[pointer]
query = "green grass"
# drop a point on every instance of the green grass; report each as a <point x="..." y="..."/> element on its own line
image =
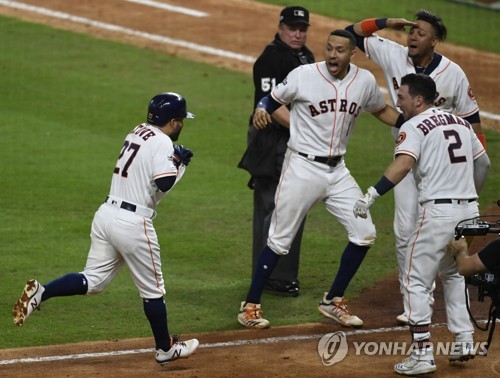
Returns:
<point x="67" y="102"/>
<point x="468" y="26"/>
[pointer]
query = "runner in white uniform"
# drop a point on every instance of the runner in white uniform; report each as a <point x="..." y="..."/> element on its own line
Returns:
<point x="454" y="95"/>
<point x="450" y="167"/>
<point x="148" y="166"/>
<point x="326" y="98"/>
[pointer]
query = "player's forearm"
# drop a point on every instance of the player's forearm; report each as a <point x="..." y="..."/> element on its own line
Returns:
<point x="399" y="168"/>
<point x="478" y="130"/>
<point x="389" y="116"/>
<point x="481" y="171"/>
<point x="369" y="26"/>
<point x="282" y="116"/>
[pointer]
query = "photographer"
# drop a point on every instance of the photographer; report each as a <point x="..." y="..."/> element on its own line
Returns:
<point x="488" y="259"/>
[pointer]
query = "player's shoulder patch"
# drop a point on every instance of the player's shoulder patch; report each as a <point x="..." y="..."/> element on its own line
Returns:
<point x="471" y="94"/>
<point x="401" y="138"/>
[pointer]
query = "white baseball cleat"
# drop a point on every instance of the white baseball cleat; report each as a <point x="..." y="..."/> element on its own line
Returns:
<point x="419" y="362"/>
<point x="178" y="349"/>
<point x="462" y="351"/>
<point x="402" y="319"/>
<point x="250" y="316"/>
<point x="336" y="309"/>
<point x="31" y="299"/>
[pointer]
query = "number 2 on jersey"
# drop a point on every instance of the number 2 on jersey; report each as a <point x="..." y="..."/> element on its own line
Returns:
<point x="454" y="146"/>
<point x="127" y="146"/>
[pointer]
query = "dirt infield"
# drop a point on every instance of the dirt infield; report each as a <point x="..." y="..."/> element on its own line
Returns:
<point x="280" y="351"/>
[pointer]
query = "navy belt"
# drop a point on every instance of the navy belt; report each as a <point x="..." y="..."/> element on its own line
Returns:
<point x="332" y="161"/>
<point x="449" y="200"/>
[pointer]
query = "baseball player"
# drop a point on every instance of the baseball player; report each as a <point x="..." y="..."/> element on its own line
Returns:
<point x="450" y="167"/>
<point x="266" y="149"/>
<point x="326" y="98"/>
<point x="454" y="94"/>
<point x="148" y="167"/>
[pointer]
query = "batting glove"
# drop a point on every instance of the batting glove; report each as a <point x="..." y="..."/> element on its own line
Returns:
<point x="182" y="155"/>
<point x="363" y="204"/>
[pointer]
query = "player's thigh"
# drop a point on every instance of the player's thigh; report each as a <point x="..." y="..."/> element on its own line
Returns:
<point x="136" y="239"/>
<point x="301" y="185"/>
<point x="103" y="260"/>
<point x="340" y="202"/>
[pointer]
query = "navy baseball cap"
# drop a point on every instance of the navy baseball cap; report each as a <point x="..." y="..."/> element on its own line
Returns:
<point x="294" y="15"/>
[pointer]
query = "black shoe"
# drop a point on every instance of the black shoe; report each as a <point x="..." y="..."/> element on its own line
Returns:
<point x="282" y="288"/>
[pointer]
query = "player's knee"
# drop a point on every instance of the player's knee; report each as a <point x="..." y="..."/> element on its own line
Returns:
<point x="365" y="240"/>
<point x="95" y="285"/>
<point x="277" y="249"/>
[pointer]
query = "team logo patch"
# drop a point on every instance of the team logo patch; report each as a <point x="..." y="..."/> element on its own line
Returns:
<point x="471" y="94"/>
<point x="401" y="138"/>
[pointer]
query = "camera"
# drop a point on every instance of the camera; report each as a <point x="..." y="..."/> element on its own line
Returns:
<point x="478" y="227"/>
<point x="486" y="283"/>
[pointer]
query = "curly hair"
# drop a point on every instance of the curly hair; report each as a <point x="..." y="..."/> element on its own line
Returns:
<point x="434" y="20"/>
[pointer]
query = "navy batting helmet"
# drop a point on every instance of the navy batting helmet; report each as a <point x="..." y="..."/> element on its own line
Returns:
<point x="166" y="106"/>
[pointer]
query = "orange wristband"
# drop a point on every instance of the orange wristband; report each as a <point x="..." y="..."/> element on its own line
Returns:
<point x="369" y="26"/>
<point x="482" y="139"/>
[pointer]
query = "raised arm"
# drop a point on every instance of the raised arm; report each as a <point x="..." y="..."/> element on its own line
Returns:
<point x="369" y="26"/>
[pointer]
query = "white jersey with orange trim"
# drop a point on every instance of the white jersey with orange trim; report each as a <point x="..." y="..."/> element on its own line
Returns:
<point x="454" y="92"/>
<point x="322" y="118"/>
<point x="445" y="147"/>
<point x="146" y="155"/>
<point x="455" y="96"/>
<point x="325" y="109"/>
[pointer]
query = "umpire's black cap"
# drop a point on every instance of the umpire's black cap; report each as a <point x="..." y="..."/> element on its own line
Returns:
<point x="294" y="15"/>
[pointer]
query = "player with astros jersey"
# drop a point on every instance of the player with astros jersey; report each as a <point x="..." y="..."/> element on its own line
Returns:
<point x="326" y="99"/>
<point x="454" y="95"/>
<point x="148" y="166"/>
<point x="450" y="167"/>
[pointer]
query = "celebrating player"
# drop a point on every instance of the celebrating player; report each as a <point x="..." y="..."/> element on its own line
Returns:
<point x="148" y="166"/>
<point x="450" y="167"/>
<point x="326" y="98"/>
<point x="266" y="148"/>
<point x="454" y="94"/>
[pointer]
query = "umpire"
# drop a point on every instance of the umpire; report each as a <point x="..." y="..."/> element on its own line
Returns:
<point x="266" y="148"/>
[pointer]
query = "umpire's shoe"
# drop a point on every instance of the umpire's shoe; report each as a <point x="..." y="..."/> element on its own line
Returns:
<point x="30" y="300"/>
<point x="336" y="309"/>
<point x="178" y="349"/>
<point x="250" y="316"/>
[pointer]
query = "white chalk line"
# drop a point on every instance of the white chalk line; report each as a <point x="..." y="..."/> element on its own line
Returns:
<point x="155" y="37"/>
<point x="268" y="340"/>
<point x="127" y="31"/>
<point x="171" y="8"/>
